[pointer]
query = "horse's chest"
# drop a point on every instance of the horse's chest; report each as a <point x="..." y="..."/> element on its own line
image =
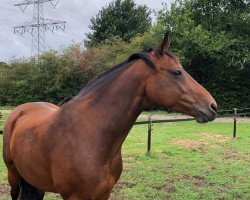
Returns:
<point x="91" y="182"/>
<point x="111" y="171"/>
<point x="109" y="177"/>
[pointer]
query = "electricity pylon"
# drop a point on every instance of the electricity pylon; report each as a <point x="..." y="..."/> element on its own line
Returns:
<point x="38" y="25"/>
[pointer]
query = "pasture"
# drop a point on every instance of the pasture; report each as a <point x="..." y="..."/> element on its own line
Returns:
<point x="188" y="161"/>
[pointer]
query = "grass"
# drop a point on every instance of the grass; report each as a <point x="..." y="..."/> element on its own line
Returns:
<point x="6" y="107"/>
<point x="160" y="112"/>
<point x="188" y="161"/>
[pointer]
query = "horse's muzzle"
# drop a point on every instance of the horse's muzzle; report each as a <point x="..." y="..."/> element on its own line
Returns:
<point x="208" y="115"/>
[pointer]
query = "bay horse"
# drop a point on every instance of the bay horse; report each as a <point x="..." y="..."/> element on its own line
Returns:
<point x="75" y="149"/>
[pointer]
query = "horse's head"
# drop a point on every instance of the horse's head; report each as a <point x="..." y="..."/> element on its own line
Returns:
<point x="172" y="87"/>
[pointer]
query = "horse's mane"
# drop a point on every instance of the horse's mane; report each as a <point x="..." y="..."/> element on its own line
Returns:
<point x="64" y="101"/>
<point x="140" y="55"/>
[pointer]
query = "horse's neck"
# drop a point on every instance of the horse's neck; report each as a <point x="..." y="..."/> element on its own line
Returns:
<point x="113" y="107"/>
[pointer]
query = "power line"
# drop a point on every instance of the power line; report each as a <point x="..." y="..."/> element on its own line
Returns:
<point x="12" y="10"/>
<point x="38" y="25"/>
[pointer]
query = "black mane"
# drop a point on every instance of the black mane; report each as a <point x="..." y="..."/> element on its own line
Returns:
<point x="64" y="101"/>
<point x="140" y="55"/>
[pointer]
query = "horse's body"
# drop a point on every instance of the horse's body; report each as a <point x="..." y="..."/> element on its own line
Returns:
<point x="75" y="149"/>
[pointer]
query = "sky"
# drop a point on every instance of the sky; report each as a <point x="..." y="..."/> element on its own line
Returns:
<point x="76" y="13"/>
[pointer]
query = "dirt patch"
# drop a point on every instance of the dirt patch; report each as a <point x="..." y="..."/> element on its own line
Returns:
<point x="119" y="186"/>
<point x="4" y="191"/>
<point x="122" y="185"/>
<point x="214" y="145"/>
<point x="215" y="137"/>
<point x="169" y="188"/>
<point x="188" y="144"/>
<point x="116" y="196"/>
<point x="199" y="145"/>
<point x="196" y="180"/>
<point x="231" y="154"/>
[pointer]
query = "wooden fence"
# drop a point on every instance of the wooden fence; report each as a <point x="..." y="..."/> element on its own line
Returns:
<point x="222" y="113"/>
<point x="1" y="116"/>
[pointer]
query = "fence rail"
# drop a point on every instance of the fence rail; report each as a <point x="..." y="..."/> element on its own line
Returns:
<point x="188" y="119"/>
<point x="235" y="114"/>
<point x="238" y="109"/>
<point x="150" y="122"/>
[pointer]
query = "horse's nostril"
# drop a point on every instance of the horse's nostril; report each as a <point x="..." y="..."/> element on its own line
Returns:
<point x="214" y="107"/>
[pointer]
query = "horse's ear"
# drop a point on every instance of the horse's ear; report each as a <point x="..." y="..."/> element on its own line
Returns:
<point x="164" y="44"/>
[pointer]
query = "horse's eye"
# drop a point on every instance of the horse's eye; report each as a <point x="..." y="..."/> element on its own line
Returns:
<point x="176" y="72"/>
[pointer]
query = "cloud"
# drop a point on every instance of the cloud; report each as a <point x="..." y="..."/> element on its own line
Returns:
<point x="77" y="14"/>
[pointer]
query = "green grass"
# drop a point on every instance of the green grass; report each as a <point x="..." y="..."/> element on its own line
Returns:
<point x="6" y="107"/>
<point x="188" y="161"/>
<point x="160" y="112"/>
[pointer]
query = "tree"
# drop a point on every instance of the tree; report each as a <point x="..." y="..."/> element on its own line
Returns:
<point x="59" y="75"/>
<point x="231" y="16"/>
<point x="121" y="18"/>
<point x="212" y="47"/>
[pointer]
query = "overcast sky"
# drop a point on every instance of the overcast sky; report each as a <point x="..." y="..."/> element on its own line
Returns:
<point x="76" y="13"/>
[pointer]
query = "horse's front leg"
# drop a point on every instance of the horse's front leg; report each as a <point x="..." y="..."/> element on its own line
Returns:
<point x="105" y="196"/>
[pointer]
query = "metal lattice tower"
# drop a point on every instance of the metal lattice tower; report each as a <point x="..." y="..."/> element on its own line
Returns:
<point x="38" y="25"/>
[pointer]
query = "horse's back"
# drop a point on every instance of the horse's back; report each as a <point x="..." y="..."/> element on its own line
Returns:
<point x="23" y="137"/>
<point x="34" y="107"/>
<point x="28" y="111"/>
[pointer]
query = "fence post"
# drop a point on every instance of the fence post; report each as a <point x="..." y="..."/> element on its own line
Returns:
<point x="149" y="134"/>
<point x="1" y="131"/>
<point x="235" y="120"/>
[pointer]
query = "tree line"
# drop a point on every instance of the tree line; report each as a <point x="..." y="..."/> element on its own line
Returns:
<point x="211" y="38"/>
